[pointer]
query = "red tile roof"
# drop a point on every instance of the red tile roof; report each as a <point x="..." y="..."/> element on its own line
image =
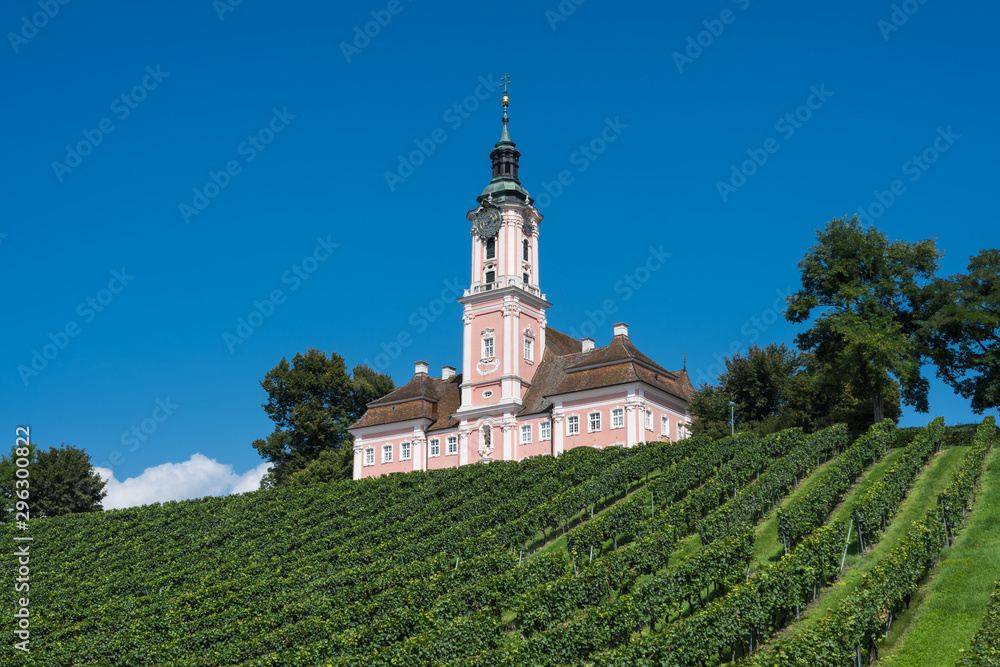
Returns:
<point x="564" y="368"/>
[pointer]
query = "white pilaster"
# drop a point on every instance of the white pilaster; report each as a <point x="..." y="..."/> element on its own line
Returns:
<point x="359" y="457"/>
<point x="467" y="356"/>
<point x="630" y="432"/>
<point x="463" y="446"/>
<point x="557" y="431"/>
<point x="418" y="447"/>
<point x="508" y="443"/>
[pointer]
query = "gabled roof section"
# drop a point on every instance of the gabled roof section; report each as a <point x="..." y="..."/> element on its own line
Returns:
<point x="619" y="350"/>
<point x="423" y="397"/>
<point x="565" y="369"/>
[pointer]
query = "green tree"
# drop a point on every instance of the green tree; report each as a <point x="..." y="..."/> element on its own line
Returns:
<point x="756" y="382"/>
<point x="312" y="401"/>
<point x="61" y="481"/>
<point x="961" y="330"/>
<point x="865" y="292"/>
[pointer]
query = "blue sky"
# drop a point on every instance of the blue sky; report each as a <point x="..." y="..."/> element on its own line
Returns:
<point x="169" y="169"/>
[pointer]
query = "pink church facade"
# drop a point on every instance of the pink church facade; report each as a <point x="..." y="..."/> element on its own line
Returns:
<point x="525" y="389"/>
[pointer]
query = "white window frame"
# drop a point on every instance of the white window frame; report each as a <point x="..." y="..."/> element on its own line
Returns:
<point x="545" y="430"/>
<point x="488" y="348"/>
<point x="529" y="350"/>
<point x="435" y="444"/>
<point x="649" y="419"/>
<point x="594" y="422"/>
<point x="573" y="425"/>
<point x="405" y="450"/>
<point x="680" y="430"/>
<point x="452" y="442"/>
<point x="665" y="426"/>
<point x="369" y="456"/>
<point x="387" y="453"/>
<point x="618" y="418"/>
<point x="525" y="431"/>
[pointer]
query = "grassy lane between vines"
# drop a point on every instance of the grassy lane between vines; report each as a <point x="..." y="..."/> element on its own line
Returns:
<point x="945" y="613"/>
<point x="768" y="547"/>
<point x="556" y="541"/>
<point x="932" y="480"/>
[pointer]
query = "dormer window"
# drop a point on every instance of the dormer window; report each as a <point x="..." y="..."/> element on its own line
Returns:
<point x="491" y="248"/>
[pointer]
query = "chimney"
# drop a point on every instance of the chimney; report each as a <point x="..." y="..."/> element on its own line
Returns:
<point x="588" y="344"/>
<point x="621" y="329"/>
<point x="447" y="372"/>
<point x="420" y="367"/>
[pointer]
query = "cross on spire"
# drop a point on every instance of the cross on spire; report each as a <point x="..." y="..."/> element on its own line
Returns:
<point x="506" y="100"/>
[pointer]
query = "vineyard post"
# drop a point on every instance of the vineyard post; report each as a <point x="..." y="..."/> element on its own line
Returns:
<point x="520" y="555"/>
<point x="651" y="508"/>
<point x="591" y="553"/>
<point x="846" y="545"/>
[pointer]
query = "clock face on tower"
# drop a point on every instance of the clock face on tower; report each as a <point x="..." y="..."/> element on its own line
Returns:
<point x="529" y="228"/>
<point x="488" y="222"/>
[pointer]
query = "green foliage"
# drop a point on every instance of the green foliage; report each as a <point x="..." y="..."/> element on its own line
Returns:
<point x="868" y="292"/>
<point x="61" y="481"/>
<point x="810" y="511"/>
<point x="778" y="480"/>
<point x="859" y="620"/>
<point x="985" y="648"/>
<point x="433" y="567"/>
<point x="757" y="383"/>
<point x="875" y="508"/>
<point x="961" y="330"/>
<point x="775" y="388"/>
<point x="312" y="401"/>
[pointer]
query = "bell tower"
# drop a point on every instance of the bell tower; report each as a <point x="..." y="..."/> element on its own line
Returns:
<point x="504" y="307"/>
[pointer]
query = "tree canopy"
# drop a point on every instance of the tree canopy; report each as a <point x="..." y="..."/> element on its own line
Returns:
<point x="865" y="294"/>
<point x="312" y="401"/>
<point x="61" y="481"/>
<point x="773" y="388"/>
<point x="961" y="330"/>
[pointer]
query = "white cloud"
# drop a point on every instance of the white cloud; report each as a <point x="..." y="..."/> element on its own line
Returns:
<point x="197" y="477"/>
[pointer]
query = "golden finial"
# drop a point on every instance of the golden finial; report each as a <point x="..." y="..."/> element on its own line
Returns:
<point x="506" y="100"/>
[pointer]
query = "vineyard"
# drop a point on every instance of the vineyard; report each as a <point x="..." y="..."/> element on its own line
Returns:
<point x="787" y="549"/>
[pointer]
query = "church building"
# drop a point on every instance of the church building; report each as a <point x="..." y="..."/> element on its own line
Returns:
<point x="525" y="389"/>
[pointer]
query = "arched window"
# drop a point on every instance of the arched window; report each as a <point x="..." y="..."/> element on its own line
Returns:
<point x="526" y="248"/>
<point x="491" y="248"/>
